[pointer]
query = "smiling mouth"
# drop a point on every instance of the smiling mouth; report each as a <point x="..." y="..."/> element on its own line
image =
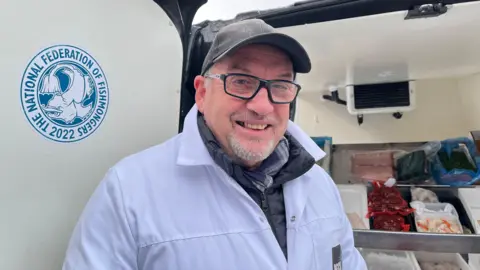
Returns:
<point x="253" y="126"/>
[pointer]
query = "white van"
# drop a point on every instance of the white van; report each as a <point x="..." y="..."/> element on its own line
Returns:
<point x="86" y="83"/>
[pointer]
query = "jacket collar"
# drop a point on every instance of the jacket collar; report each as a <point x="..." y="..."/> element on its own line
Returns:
<point x="192" y="150"/>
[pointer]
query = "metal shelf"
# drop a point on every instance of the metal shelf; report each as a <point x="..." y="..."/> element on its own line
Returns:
<point x="408" y="241"/>
<point x="414" y="241"/>
<point x="417" y="241"/>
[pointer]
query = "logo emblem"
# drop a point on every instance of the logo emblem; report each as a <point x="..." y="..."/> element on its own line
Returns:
<point x="64" y="93"/>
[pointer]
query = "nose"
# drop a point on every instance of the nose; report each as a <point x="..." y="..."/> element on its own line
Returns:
<point x="260" y="103"/>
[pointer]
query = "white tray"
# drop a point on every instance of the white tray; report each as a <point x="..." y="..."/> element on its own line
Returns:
<point x="407" y="255"/>
<point x="354" y="199"/>
<point x="474" y="261"/>
<point x="441" y="210"/>
<point x="454" y="258"/>
<point x="470" y="198"/>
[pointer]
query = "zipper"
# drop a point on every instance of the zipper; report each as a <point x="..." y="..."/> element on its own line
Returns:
<point x="266" y="210"/>
<point x="264" y="203"/>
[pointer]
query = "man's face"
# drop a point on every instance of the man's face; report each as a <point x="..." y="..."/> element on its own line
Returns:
<point x="249" y="130"/>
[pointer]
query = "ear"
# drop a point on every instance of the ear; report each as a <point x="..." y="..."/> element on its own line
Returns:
<point x="200" y="92"/>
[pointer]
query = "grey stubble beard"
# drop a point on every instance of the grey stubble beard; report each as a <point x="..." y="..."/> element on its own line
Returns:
<point x="247" y="156"/>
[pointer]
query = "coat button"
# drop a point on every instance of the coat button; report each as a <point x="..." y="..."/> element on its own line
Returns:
<point x="292" y="219"/>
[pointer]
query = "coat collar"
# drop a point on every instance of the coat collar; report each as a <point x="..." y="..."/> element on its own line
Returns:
<point x="192" y="151"/>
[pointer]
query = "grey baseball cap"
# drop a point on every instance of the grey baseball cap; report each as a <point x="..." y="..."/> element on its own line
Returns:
<point x="255" y="31"/>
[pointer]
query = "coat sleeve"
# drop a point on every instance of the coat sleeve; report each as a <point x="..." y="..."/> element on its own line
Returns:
<point x="102" y="239"/>
<point x="351" y="257"/>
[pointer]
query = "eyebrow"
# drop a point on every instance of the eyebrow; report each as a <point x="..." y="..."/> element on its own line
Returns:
<point x="237" y="66"/>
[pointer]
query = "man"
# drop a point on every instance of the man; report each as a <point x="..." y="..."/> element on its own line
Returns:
<point x="237" y="189"/>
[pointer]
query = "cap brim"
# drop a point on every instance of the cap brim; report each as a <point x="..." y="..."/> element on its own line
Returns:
<point x="300" y="59"/>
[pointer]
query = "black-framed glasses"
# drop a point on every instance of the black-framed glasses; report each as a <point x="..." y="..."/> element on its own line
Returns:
<point x="246" y="87"/>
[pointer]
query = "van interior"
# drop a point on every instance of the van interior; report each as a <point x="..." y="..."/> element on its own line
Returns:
<point x="385" y="75"/>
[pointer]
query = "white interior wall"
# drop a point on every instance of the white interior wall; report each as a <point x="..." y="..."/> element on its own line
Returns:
<point x="469" y="89"/>
<point x="389" y="48"/>
<point x="438" y="115"/>
<point x="386" y="47"/>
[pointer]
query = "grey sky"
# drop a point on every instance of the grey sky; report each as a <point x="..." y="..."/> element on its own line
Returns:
<point x="227" y="9"/>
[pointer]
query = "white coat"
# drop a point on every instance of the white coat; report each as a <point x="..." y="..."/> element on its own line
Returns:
<point x="171" y="207"/>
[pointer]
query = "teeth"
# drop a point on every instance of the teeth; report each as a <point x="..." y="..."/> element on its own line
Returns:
<point x="251" y="126"/>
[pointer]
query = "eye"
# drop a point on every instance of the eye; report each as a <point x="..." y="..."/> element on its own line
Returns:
<point x="241" y="82"/>
<point x="280" y="86"/>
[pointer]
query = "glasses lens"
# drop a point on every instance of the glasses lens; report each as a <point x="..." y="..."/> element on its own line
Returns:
<point x="283" y="91"/>
<point x="245" y="87"/>
<point x="242" y="86"/>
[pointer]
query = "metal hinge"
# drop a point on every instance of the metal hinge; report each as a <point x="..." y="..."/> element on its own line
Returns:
<point x="426" y="11"/>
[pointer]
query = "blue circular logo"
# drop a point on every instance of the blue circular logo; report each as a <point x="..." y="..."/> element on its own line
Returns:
<point x="64" y="93"/>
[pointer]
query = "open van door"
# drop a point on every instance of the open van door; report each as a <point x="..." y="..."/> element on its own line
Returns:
<point x="397" y="71"/>
<point x="84" y="84"/>
<point x="360" y="42"/>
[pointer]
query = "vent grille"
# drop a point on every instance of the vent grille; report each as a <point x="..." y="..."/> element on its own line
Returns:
<point x="382" y="95"/>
